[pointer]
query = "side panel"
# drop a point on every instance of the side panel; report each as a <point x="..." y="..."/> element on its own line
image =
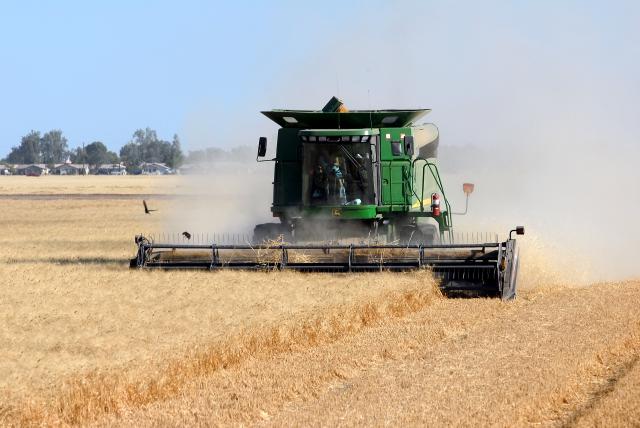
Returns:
<point x="287" y="181"/>
<point x="394" y="185"/>
<point x="395" y="170"/>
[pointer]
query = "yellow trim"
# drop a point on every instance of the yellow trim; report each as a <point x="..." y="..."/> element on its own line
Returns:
<point x="425" y="202"/>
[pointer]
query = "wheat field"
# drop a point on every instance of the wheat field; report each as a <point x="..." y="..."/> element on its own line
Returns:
<point x="86" y="341"/>
<point x="91" y="184"/>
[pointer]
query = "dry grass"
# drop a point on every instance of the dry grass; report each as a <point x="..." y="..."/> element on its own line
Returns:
<point x="86" y="317"/>
<point x="536" y="361"/>
<point x="616" y="403"/>
<point x="67" y="231"/>
<point x="92" y="184"/>
<point x="107" y="390"/>
<point x="266" y="255"/>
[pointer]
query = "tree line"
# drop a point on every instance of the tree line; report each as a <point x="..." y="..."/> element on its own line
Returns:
<point x="52" y="148"/>
<point x="216" y="154"/>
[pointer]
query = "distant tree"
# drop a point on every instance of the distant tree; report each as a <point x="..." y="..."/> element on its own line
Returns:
<point x="130" y="154"/>
<point x="242" y="153"/>
<point x="215" y="154"/>
<point x="177" y="157"/>
<point x="28" y="151"/>
<point x="145" y="136"/>
<point x="145" y="146"/>
<point x="150" y="147"/>
<point x="53" y="147"/>
<point x="79" y="155"/>
<point x="97" y="153"/>
<point x="113" y="157"/>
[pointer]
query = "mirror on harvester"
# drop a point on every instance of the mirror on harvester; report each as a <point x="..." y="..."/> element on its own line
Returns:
<point x="408" y="145"/>
<point x="262" y="147"/>
<point x="467" y="188"/>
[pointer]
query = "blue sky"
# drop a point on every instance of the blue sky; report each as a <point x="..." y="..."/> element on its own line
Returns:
<point x="100" y="70"/>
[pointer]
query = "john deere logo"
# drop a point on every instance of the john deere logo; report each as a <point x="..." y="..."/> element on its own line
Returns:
<point x="337" y="212"/>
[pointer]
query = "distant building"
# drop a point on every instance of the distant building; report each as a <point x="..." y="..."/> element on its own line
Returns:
<point x="5" y="170"/>
<point x="154" y="168"/>
<point x="70" y="169"/>
<point x="111" y="169"/>
<point x="32" y="170"/>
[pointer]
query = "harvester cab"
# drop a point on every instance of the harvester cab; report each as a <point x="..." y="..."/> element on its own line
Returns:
<point x="345" y="175"/>
<point x="356" y="191"/>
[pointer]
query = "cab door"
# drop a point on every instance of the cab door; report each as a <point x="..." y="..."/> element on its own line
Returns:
<point x="395" y="166"/>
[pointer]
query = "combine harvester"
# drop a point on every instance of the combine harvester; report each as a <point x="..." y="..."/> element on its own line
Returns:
<point x="355" y="191"/>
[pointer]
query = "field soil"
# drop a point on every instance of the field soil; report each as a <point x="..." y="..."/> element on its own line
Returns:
<point x="91" y="184"/>
<point x="86" y="341"/>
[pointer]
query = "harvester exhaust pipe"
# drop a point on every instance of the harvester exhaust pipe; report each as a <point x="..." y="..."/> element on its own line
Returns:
<point x="519" y="230"/>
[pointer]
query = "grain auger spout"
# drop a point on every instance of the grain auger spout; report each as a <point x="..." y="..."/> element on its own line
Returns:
<point x="356" y="191"/>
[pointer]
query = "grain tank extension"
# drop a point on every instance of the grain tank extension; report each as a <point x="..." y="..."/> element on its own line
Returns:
<point x="356" y="191"/>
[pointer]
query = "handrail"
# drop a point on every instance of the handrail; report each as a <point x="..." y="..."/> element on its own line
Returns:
<point x="433" y="169"/>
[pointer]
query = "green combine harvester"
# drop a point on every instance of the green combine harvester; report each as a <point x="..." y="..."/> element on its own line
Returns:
<point x="355" y="191"/>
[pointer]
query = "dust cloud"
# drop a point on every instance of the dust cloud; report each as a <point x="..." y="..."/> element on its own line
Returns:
<point x="578" y="201"/>
<point x="543" y="122"/>
<point x="226" y="197"/>
<point x="577" y="198"/>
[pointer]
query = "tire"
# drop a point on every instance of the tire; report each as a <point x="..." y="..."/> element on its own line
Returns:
<point x="429" y="233"/>
<point x="269" y="232"/>
<point x="425" y="234"/>
<point x="409" y="235"/>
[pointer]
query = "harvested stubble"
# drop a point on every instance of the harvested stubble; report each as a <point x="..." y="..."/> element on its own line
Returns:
<point x="92" y="184"/>
<point x="616" y="402"/>
<point x="541" y="360"/>
<point x="269" y="313"/>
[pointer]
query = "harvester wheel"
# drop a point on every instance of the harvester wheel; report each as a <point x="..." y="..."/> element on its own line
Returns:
<point x="429" y="233"/>
<point x="426" y="234"/>
<point x="267" y="232"/>
<point x="409" y="235"/>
